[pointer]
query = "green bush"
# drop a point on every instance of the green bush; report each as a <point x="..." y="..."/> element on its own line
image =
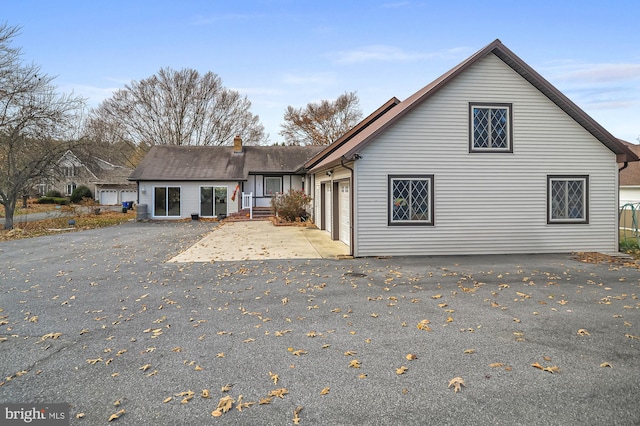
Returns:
<point x="291" y="205"/>
<point x="53" y="193"/>
<point x="79" y="193"/>
<point x="53" y="200"/>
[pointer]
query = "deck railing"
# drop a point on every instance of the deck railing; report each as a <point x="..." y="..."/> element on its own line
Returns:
<point x="247" y="203"/>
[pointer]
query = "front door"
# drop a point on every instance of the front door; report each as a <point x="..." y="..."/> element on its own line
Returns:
<point x="221" y="201"/>
<point x="213" y="201"/>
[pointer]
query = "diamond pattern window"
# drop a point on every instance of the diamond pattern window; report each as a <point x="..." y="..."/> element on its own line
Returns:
<point x="411" y="200"/>
<point x="490" y="128"/>
<point x="568" y="199"/>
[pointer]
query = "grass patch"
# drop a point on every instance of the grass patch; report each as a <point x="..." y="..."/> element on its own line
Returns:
<point x="61" y="225"/>
<point x="33" y="207"/>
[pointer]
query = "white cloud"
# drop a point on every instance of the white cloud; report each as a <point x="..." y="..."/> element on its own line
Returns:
<point x="321" y="78"/>
<point x="597" y="73"/>
<point x="383" y="53"/>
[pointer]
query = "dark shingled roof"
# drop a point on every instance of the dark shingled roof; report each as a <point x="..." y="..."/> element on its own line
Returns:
<point x="171" y="163"/>
<point x="630" y="176"/>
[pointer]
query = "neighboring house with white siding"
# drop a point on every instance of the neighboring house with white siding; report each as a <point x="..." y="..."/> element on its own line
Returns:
<point x="176" y="182"/>
<point x="630" y="179"/>
<point x="490" y="158"/>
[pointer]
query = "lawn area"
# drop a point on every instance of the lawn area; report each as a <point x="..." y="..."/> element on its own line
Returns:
<point x="50" y="226"/>
<point x="32" y="207"/>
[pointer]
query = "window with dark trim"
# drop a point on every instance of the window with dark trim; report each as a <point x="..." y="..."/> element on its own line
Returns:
<point x="567" y="199"/>
<point x="410" y="200"/>
<point x="166" y="201"/>
<point x="490" y="127"/>
<point x="272" y="185"/>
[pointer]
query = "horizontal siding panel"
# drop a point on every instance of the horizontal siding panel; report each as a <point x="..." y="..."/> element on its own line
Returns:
<point x="485" y="203"/>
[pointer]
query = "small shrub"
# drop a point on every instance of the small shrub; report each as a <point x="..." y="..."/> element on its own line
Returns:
<point x="53" y="193"/>
<point x="291" y="205"/>
<point x="79" y="193"/>
<point x="53" y="200"/>
<point x="89" y="201"/>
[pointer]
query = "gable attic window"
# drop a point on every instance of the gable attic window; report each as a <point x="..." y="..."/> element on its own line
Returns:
<point x="70" y="171"/>
<point x="567" y="199"/>
<point x="490" y="127"/>
<point x="410" y="200"/>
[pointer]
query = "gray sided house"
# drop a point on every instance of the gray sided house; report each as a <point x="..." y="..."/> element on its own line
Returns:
<point x="490" y="158"/>
<point x="176" y="182"/>
<point x="108" y="182"/>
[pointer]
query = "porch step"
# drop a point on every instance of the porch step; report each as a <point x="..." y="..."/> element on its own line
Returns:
<point x="259" y="213"/>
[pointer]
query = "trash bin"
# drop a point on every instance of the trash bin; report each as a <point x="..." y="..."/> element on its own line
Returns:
<point x="141" y="213"/>
<point x="125" y="206"/>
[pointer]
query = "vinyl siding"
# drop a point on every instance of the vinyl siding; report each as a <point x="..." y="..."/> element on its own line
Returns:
<point x="485" y="203"/>
<point x="189" y="197"/>
<point x="255" y="184"/>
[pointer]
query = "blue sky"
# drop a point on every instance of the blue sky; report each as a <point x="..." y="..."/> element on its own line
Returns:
<point x="292" y="52"/>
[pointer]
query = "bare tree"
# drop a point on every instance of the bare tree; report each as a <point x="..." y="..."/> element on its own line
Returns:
<point x="177" y="108"/>
<point x="33" y="121"/>
<point x="321" y="123"/>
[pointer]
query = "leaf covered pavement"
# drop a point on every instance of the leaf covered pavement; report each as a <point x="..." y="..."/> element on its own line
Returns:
<point x="96" y="318"/>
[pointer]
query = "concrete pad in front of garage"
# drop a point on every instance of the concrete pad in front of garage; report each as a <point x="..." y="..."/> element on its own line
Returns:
<point x="261" y="240"/>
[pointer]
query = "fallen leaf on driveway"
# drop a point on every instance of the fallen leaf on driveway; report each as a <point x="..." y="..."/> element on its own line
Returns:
<point x="116" y="415"/>
<point x="423" y="325"/>
<point x="401" y="370"/>
<point x="583" y="332"/>
<point x="606" y="364"/>
<point x="354" y="363"/>
<point x="456" y="382"/>
<point x="325" y="391"/>
<point x="296" y="418"/>
<point x="280" y="393"/>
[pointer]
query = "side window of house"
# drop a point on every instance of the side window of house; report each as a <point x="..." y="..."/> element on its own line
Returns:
<point x="272" y="185"/>
<point x="567" y="199"/>
<point x="411" y="200"/>
<point x="490" y="128"/>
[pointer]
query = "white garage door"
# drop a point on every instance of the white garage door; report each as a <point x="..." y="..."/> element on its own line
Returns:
<point x="128" y="196"/>
<point x="108" y="197"/>
<point x="327" y="207"/>
<point x="345" y="214"/>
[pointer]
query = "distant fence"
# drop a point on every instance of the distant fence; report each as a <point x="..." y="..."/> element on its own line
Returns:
<point x="628" y="220"/>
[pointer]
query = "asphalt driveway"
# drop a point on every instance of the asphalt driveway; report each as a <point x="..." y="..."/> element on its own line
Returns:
<point x="102" y="321"/>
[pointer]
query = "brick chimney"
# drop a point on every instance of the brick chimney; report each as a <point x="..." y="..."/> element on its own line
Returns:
<point x="237" y="144"/>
